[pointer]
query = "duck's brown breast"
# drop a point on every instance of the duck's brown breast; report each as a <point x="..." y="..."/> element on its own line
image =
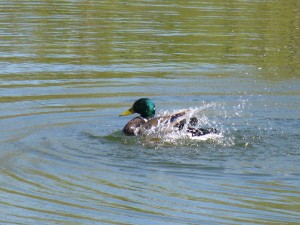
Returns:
<point x="132" y="127"/>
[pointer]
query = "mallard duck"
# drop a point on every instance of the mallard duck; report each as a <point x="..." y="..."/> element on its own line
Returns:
<point x="146" y="108"/>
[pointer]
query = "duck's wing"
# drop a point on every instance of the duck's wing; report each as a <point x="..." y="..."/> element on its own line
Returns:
<point x="175" y="121"/>
<point x="172" y="120"/>
<point x="138" y="125"/>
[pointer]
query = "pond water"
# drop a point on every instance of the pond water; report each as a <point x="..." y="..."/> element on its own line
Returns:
<point x="69" y="68"/>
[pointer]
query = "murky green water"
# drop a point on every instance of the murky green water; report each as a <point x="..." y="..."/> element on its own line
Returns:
<point x="68" y="68"/>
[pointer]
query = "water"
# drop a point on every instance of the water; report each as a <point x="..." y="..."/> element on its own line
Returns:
<point x="69" y="68"/>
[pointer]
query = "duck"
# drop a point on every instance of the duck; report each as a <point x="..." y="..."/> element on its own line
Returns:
<point x="147" y="120"/>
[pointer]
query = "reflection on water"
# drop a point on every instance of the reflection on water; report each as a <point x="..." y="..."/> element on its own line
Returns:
<point x="68" y="68"/>
<point x="62" y="37"/>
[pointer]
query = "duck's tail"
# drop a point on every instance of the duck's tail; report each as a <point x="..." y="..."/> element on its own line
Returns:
<point x="193" y="129"/>
<point x="201" y="131"/>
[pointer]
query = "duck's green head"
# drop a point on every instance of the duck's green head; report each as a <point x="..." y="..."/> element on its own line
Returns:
<point x="144" y="106"/>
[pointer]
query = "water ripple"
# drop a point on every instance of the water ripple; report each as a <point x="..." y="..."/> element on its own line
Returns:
<point x="68" y="68"/>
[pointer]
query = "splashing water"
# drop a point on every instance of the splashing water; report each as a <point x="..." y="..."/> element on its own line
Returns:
<point x="227" y="119"/>
<point x="209" y="115"/>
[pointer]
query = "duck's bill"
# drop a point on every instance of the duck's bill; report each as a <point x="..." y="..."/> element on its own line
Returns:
<point x="127" y="112"/>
